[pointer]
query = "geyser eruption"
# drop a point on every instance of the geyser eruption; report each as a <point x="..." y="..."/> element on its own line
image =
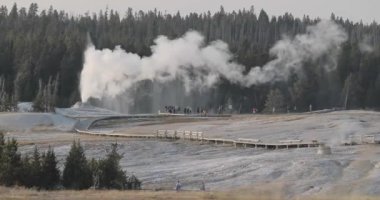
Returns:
<point x="109" y="73"/>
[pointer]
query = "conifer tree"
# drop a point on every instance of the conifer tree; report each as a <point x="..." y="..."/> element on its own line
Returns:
<point x="26" y="173"/>
<point x="50" y="171"/>
<point x="39" y="101"/>
<point x="111" y="174"/>
<point x="275" y="102"/>
<point x="35" y="169"/>
<point x="11" y="164"/>
<point x="76" y="174"/>
<point x="2" y="147"/>
<point x="2" y="143"/>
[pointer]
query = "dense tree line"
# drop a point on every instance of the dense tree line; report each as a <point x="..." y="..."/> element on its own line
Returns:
<point x="37" y="47"/>
<point x="41" y="171"/>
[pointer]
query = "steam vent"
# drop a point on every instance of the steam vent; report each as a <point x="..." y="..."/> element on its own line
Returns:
<point x="324" y="150"/>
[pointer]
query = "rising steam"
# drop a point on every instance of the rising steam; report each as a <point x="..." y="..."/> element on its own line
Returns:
<point x="109" y="73"/>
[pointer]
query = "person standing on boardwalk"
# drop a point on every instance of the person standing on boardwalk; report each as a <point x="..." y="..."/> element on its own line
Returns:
<point x="178" y="186"/>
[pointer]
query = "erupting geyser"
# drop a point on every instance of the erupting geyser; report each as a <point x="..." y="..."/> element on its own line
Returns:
<point x="110" y="73"/>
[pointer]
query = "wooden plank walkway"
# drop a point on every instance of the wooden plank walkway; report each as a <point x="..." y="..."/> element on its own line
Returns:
<point x="111" y="134"/>
<point x="198" y="137"/>
<point x="362" y="139"/>
<point x="241" y="142"/>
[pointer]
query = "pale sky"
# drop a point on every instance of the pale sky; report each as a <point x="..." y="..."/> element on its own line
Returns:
<point x="355" y="10"/>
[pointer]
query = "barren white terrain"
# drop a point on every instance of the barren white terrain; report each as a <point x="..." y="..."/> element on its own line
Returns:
<point x="159" y="164"/>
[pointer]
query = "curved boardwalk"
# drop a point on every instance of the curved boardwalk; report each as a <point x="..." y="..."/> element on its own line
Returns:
<point x="199" y="138"/>
<point x="85" y="124"/>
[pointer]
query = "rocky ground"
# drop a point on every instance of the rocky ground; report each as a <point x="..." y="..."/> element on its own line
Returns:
<point x="353" y="170"/>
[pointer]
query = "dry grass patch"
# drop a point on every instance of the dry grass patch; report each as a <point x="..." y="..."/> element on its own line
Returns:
<point x="241" y="194"/>
<point x="21" y="194"/>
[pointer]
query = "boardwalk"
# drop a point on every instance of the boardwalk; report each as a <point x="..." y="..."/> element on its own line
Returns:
<point x="241" y="142"/>
<point x="86" y="123"/>
<point x="199" y="138"/>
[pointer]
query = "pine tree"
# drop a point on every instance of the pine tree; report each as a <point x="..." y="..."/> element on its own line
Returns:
<point x="54" y="98"/>
<point x="3" y="96"/>
<point x="35" y="170"/>
<point x="111" y="174"/>
<point x="2" y="147"/>
<point x="133" y="183"/>
<point x="352" y="92"/>
<point x="94" y="167"/>
<point x="11" y="164"/>
<point x="39" y="101"/>
<point x="275" y="102"/>
<point x="76" y="174"/>
<point x="13" y="14"/>
<point x="50" y="171"/>
<point x="26" y="172"/>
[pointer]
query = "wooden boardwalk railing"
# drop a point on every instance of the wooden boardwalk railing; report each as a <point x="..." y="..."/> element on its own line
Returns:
<point x="197" y="136"/>
<point x="241" y="142"/>
<point x="362" y="139"/>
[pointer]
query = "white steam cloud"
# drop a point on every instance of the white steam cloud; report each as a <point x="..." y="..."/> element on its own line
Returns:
<point x="323" y="39"/>
<point x="365" y="45"/>
<point x="108" y="73"/>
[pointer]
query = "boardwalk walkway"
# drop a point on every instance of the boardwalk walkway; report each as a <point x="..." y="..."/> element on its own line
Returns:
<point x="199" y="138"/>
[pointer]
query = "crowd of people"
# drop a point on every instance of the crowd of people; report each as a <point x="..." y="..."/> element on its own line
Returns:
<point x="172" y="109"/>
<point x="188" y="110"/>
<point x="177" y="110"/>
<point x="220" y="110"/>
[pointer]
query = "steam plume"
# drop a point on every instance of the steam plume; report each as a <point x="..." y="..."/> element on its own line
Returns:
<point x="323" y="39"/>
<point x="108" y="73"/>
<point x="365" y="45"/>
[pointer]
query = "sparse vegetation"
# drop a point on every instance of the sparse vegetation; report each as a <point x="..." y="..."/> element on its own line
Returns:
<point x="41" y="171"/>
